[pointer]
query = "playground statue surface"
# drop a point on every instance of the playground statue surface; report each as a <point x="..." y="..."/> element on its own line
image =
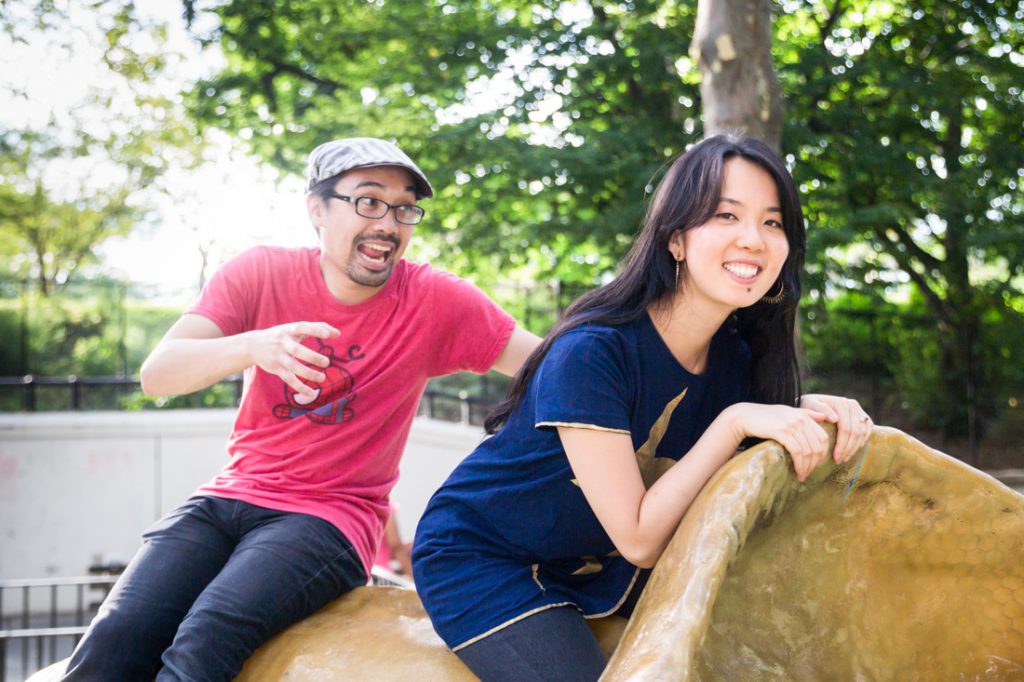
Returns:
<point x="903" y="563"/>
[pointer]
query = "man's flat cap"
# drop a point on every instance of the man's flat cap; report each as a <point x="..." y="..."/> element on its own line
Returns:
<point x="337" y="156"/>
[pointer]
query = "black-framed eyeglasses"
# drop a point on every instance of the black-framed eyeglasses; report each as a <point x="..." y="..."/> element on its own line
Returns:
<point x="371" y="207"/>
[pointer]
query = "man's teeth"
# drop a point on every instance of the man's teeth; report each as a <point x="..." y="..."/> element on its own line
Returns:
<point x="745" y="271"/>
<point x="376" y="252"/>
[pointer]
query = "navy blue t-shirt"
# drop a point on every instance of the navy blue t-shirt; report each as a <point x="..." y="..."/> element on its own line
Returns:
<point x="510" y="532"/>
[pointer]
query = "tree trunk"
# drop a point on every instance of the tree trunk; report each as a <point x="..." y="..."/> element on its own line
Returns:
<point x="960" y="364"/>
<point x="739" y="91"/>
<point x="43" y="277"/>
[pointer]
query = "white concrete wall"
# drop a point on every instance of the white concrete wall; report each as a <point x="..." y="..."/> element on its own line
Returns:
<point x="77" y="487"/>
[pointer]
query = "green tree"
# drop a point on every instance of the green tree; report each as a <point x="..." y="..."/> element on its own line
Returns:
<point x="50" y="237"/>
<point x="905" y="122"/>
<point x="543" y="124"/>
<point x="86" y="174"/>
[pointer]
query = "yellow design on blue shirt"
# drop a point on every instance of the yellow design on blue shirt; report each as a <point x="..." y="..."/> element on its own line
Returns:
<point x="651" y="467"/>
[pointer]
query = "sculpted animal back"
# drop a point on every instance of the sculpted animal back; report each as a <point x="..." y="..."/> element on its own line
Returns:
<point x="372" y="633"/>
<point x="904" y="564"/>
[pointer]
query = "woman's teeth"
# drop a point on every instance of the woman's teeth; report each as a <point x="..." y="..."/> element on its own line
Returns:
<point x="744" y="271"/>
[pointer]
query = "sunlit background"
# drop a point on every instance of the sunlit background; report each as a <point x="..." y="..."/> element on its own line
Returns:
<point x="231" y="202"/>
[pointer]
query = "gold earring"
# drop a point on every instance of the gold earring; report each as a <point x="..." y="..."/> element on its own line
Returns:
<point x="776" y="298"/>
<point x="677" y="274"/>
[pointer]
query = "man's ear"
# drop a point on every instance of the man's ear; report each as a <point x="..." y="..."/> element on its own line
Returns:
<point x="315" y="210"/>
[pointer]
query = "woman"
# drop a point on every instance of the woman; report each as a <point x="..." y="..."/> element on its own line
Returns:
<point x="639" y="394"/>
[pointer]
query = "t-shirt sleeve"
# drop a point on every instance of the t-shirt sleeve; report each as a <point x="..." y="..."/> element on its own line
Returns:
<point x="583" y="382"/>
<point x="228" y="297"/>
<point x="472" y="330"/>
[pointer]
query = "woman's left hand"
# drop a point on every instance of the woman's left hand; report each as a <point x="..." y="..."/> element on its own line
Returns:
<point x="853" y="425"/>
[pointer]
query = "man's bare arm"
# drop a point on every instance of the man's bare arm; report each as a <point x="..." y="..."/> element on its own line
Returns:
<point x="518" y="348"/>
<point x="194" y="354"/>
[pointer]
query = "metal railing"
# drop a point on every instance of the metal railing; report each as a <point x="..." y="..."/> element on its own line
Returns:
<point x="32" y="638"/>
<point x="383" y="577"/>
<point x="35" y="633"/>
<point x="33" y="394"/>
<point x="455" y="407"/>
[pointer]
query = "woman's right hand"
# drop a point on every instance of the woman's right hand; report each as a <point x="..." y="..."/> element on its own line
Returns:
<point x="797" y="429"/>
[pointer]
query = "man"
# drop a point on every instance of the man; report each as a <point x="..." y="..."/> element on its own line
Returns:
<point x="336" y="344"/>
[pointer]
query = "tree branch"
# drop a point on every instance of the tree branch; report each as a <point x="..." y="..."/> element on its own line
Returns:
<point x="823" y="31"/>
<point x="903" y="237"/>
<point x="833" y="16"/>
<point x="635" y="91"/>
<point x="279" y="67"/>
<point x="906" y="264"/>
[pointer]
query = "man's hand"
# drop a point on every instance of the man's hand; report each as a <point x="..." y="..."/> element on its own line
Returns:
<point x="279" y="351"/>
<point x="194" y="354"/>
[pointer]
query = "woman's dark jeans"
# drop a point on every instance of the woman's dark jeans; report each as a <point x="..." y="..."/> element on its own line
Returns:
<point x="553" y="645"/>
<point x="212" y="582"/>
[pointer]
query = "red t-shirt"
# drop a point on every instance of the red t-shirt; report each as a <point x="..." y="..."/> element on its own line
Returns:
<point x="337" y="456"/>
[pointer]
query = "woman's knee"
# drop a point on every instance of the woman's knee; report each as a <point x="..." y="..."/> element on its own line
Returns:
<point x="553" y="644"/>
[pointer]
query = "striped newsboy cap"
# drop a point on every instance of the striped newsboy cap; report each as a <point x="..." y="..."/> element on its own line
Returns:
<point x="337" y="156"/>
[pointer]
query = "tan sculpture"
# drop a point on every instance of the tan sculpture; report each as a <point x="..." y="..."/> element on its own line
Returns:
<point x="902" y="564"/>
<point x="372" y="634"/>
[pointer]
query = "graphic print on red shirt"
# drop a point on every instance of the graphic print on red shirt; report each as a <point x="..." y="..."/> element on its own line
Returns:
<point x="332" y="403"/>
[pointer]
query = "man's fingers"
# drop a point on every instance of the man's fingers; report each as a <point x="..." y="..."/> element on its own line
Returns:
<point x="293" y="346"/>
<point x="303" y="371"/>
<point x="320" y="330"/>
<point x="308" y="355"/>
<point x="311" y="374"/>
<point x="300" y="386"/>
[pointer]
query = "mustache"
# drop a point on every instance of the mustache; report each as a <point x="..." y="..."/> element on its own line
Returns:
<point x="376" y="237"/>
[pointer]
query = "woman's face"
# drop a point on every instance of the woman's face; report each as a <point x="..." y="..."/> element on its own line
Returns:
<point x="735" y="258"/>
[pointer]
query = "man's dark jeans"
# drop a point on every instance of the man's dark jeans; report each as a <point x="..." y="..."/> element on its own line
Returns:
<point x="212" y="582"/>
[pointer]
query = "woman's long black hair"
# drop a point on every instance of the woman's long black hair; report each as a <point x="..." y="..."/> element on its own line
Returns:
<point x="687" y="197"/>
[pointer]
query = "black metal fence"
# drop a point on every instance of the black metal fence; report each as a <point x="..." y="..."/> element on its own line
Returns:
<point x="454" y="403"/>
<point x="38" y="628"/>
<point x="32" y="393"/>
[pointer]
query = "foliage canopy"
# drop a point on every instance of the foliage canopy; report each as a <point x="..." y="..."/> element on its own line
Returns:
<point x="86" y="173"/>
<point x="543" y="125"/>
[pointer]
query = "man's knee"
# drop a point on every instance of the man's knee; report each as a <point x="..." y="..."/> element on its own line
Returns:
<point x="118" y="645"/>
<point x="213" y="644"/>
